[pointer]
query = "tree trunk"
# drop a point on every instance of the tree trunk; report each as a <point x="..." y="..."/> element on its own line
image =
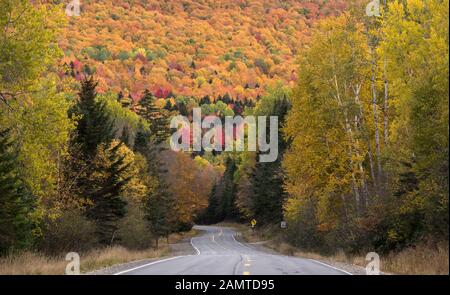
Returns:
<point x="348" y="130"/>
<point x="369" y="148"/>
<point x="375" y="115"/>
<point x="386" y="107"/>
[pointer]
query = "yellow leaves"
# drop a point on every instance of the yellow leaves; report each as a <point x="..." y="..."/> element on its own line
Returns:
<point x="43" y="127"/>
<point x="200" y="81"/>
<point x="203" y="33"/>
<point x="191" y="182"/>
<point x="201" y="161"/>
<point x="25" y="57"/>
<point x="327" y="147"/>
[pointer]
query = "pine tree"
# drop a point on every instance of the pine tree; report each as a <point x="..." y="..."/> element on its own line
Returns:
<point x="108" y="205"/>
<point x="267" y="179"/>
<point x="125" y="137"/>
<point x="182" y="109"/>
<point x="168" y="105"/>
<point x="94" y="127"/>
<point x="160" y="212"/>
<point x="228" y="195"/>
<point x="212" y="213"/>
<point x="15" y="200"/>
<point x="159" y="123"/>
<point x="160" y="205"/>
<point x="97" y="167"/>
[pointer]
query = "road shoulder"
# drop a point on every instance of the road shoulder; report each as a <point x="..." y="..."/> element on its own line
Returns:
<point x="181" y="248"/>
<point x="268" y="247"/>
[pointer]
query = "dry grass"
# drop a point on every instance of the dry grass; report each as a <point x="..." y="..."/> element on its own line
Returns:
<point x="29" y="263"/>
<point x="419" y="260"/>
<point x="33" y="263"/>
<point x="422" y="259"/>
<point x="115" y="255"/>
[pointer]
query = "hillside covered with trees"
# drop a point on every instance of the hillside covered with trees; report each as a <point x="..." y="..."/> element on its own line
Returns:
<point x="85" y="106"/>
<point x="190" y="48"/>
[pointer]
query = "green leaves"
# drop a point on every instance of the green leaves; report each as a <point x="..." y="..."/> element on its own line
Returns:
<point x="28" y="43"/>
<point x="16" y="202"/>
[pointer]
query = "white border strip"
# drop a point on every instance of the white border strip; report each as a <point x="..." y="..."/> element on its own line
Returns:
<point x="193" y="246"/>
<point x="148" y="264"/>
<point x="323" y="263"/>
<point x="242" y="244"/>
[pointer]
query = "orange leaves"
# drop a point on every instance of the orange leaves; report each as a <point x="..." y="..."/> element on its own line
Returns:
<point x="172" y="44"/>
<point x="191" y="181"/>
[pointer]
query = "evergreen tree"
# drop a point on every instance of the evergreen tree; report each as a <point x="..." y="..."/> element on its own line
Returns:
<point x="125" y="137"/>
<point x="182" y="109"/>
<point x="160" y="211"/>
<point x="168" y="105"/>
<point x="94" y="126"/>
<point x="159" y="123"/>
<point x="267" y="179"/>
<point x="160" y="205"/>
<point x="212" y="213"/>
<point x="226" y="98"/>
<point x="97" y="168"/>
<point x="106" y="194"/>
<point x="15" y="200"/>
<point x="228" y="194"/>
<point x="205" y="100"/>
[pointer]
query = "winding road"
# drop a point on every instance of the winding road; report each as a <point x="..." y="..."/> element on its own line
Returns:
<point x="219" y="253"/>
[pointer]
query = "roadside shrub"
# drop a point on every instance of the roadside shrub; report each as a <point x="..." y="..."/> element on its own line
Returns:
<point x="71" y="232"/>
<point x="133" y="232"/>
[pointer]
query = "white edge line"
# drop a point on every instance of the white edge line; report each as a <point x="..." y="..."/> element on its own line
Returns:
<point x="193" y="246"/>
<point x="148" y="264"/>
<point x="241" y="243"/>
<point x="346" y="272"/>
<point x="331" y="266"/>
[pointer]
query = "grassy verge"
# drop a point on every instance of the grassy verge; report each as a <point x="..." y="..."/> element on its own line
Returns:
<point x="421" y="259"/>
<point x="34" y="263"/>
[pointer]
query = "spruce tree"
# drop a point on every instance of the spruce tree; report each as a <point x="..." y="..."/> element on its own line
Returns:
<point x="160" y="210"/>
<point x="168" y="105"/>
<point x="160" y="205"/>
<point x="228" y="194"/>
<point x="98" y="181"/>
<point x="108" y="205"/>
<point x="126" y="136"/>
<point x="267" y="179"/>
<point x="94" y="126"/>
<point x="212" y="213"/>
<point x="159" y="122"/>
<point x="16" y="202"/>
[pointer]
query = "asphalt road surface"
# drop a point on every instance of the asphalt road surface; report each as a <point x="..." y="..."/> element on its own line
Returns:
<point x="219" y="253"/>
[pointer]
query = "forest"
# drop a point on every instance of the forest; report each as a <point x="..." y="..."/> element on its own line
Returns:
<point x="86" y="102"/>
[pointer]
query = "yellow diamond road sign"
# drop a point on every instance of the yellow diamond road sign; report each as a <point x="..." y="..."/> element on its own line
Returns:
<point x="253" y="222"/>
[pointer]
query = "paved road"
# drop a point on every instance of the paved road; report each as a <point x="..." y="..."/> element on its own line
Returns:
<point x="219" y="253"/>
